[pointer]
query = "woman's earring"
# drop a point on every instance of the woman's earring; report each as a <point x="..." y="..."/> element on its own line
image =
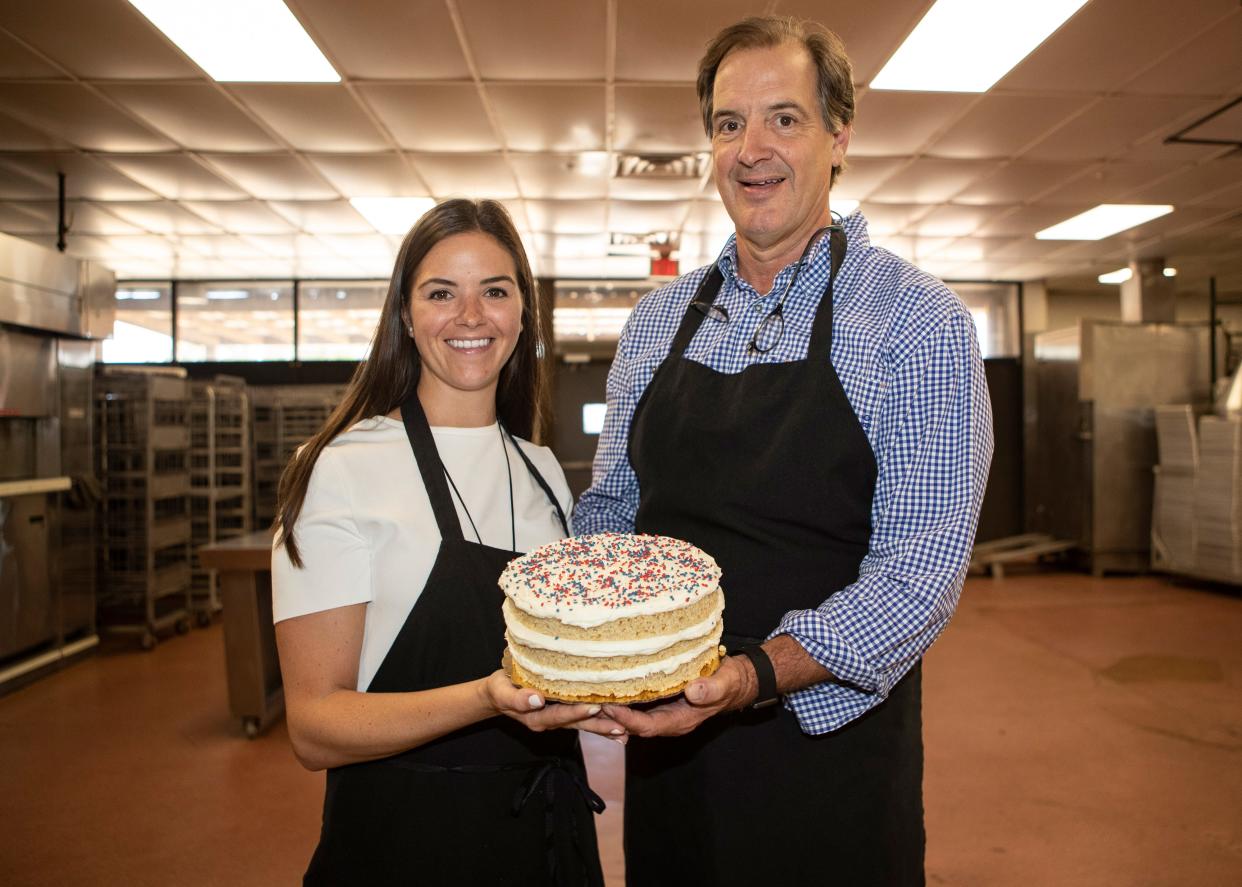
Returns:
<point x="539" y="350"/>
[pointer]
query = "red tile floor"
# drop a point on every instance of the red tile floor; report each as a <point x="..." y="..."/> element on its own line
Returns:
<point x="1078" y="732"/>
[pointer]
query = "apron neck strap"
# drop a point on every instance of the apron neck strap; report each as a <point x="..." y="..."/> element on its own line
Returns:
<point x="431" y="468"/>
<point x="543" y="484"/>
<point x="704" y="296"/>
<point x="821" y="328"/>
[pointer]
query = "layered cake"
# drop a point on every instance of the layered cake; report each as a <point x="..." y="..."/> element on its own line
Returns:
<point x="612" y="617"/>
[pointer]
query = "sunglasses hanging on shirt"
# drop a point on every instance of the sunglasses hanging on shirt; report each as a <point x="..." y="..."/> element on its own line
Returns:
<point x="772" y="328"/>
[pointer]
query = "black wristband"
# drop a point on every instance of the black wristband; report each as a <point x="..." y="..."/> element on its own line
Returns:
<point x="765" y="674"/>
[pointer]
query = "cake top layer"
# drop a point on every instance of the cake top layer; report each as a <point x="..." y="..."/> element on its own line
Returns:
<point x="590" y="580"/>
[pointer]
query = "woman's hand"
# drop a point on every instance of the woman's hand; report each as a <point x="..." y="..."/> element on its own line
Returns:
<point x="529" y="707"/>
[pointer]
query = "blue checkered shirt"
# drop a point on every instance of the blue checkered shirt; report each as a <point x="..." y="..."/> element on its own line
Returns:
<point x="905" y="349"/>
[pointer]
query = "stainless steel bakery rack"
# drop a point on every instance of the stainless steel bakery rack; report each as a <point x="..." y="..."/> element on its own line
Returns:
<point x="220" y="484"/>
<point x="284" y="417"/>
<point x="143" y="440"/>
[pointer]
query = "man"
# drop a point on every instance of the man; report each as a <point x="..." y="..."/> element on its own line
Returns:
<point x="813" y="413"/>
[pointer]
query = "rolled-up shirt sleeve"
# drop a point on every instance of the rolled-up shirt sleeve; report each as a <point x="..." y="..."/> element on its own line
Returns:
<point x="933" y="451"/>
<point x="336" y="559"/>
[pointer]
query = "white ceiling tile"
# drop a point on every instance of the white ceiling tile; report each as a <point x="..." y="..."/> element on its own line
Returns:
<point x="951" y="220"/>
<point x="549" y="117"/>
<point x="658" y="119"/>
<point x="644" y="217"/>
<point x="72" y="112"/>
<point x="1109" y="41"/>
<point x="18" y="183"/>
<point x="85" y="37"/>
<point x="571" y="246"/>
<point x="900" y="123"/>
<point x="197" y="115"/>
<point x="322" y="216"/>
<point x="931" y="180"/>
<point x="658" y="40"/>
<point x="359" y="246"/>
<point x="20" y="63"/>
<point x="1112" y="125"/>
<point x="1002" y="125"/>
<point x="174" y="176"/>
<point x="567" y="216"/>
<point x="432" y="117"/>
<point x="370" y="175"/>
<point x="17" y="136"/>
<point x="467" y="175"/>
<point x="17" y="218"/>
<point x="82" y="218"/>
<point x="313" y="116"/>
<point x="272" y="176"/>
<point x="1107" y="183"/>
<point x="655" y="188"/>
<point x="891" y="218"/>
<point x="862" y="175"/>
<point x="1026" y="220"/>
<point x="239" y="217"/>
<point x="84" y="176"/>
<point x="871" y="31"/>
<point x="1188" y="71"/>
<point x="387" y="39"/>
<point x="287" y="246"/>
<point x="220" y="246"/>
<point x="144" y="247"/>
<point x="1020" y="182"/>
<point x="559" y="176"/>
<point x="162" y="217"/>
<point x="563" y="40"/>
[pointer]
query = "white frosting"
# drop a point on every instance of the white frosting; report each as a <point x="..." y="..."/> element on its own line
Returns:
<point x="599" y="675"/>
<point x="529" y="637"/>
<point x="589" y="580"/>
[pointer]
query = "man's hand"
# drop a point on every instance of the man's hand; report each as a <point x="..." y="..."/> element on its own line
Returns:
<point x="730" y="688"/>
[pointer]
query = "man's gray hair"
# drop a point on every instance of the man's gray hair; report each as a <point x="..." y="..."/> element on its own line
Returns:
<point x="834" y="74"/>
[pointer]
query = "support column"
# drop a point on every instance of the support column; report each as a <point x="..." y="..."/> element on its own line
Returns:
<point x="1148" y="296"/>
<point x="1034" y="306"/>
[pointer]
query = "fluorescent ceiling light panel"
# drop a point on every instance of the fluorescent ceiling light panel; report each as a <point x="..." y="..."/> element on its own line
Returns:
<point x="244" y="41"/>
<point x="392" y="215"/>
<point x="967" y="45"/>
<point x="226" y="295"/>
<point x="1104" y="220"/>
<point x="1121" y="275"/>
<point x="1170" y="272"/>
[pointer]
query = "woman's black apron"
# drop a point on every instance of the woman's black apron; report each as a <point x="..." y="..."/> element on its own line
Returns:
<point x="770" y="472"/>
<point x="493" y="803"/>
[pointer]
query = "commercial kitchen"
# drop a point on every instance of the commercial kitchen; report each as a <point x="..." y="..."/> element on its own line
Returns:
<point x="199" y="213"/>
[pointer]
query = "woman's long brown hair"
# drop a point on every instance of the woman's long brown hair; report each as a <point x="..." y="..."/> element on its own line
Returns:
<point x="390" y="373"/>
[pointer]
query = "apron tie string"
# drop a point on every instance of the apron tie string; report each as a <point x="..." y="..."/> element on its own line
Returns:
<point x="546" y="775"/>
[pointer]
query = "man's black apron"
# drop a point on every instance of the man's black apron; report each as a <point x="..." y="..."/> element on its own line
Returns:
<point x="770" y="472"/>
<point x="493" y="803"/>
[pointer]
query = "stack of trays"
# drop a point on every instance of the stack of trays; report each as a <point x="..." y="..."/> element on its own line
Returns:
<point x="1218" y="497"/>
<point x="1175" y="433"/>
<point x="1173" y="527"/>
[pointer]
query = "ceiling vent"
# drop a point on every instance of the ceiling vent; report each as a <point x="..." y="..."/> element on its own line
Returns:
<point x="662" y="166"/>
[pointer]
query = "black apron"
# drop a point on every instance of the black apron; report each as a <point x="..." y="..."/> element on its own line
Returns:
<point x="493" y="803"/>
<point x="770" y="472"/>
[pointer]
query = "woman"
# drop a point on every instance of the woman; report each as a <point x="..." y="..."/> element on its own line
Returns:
<point x="385" y="594"/>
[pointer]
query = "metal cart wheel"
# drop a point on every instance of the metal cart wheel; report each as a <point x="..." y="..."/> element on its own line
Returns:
<point x="183" y="625"/>
<point x="251" y="726"/>
<point x="149" y="640"/>
<point x="203" y="618"/>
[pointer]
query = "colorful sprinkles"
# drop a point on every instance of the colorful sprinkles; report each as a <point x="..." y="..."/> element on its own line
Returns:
<point x="615" y="571"/>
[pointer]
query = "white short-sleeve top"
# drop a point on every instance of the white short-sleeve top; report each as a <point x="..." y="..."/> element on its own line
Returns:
<point x="367" y="533"/>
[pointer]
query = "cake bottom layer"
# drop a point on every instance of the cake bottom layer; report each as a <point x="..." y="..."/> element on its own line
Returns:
<point x="640" y="689"/>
